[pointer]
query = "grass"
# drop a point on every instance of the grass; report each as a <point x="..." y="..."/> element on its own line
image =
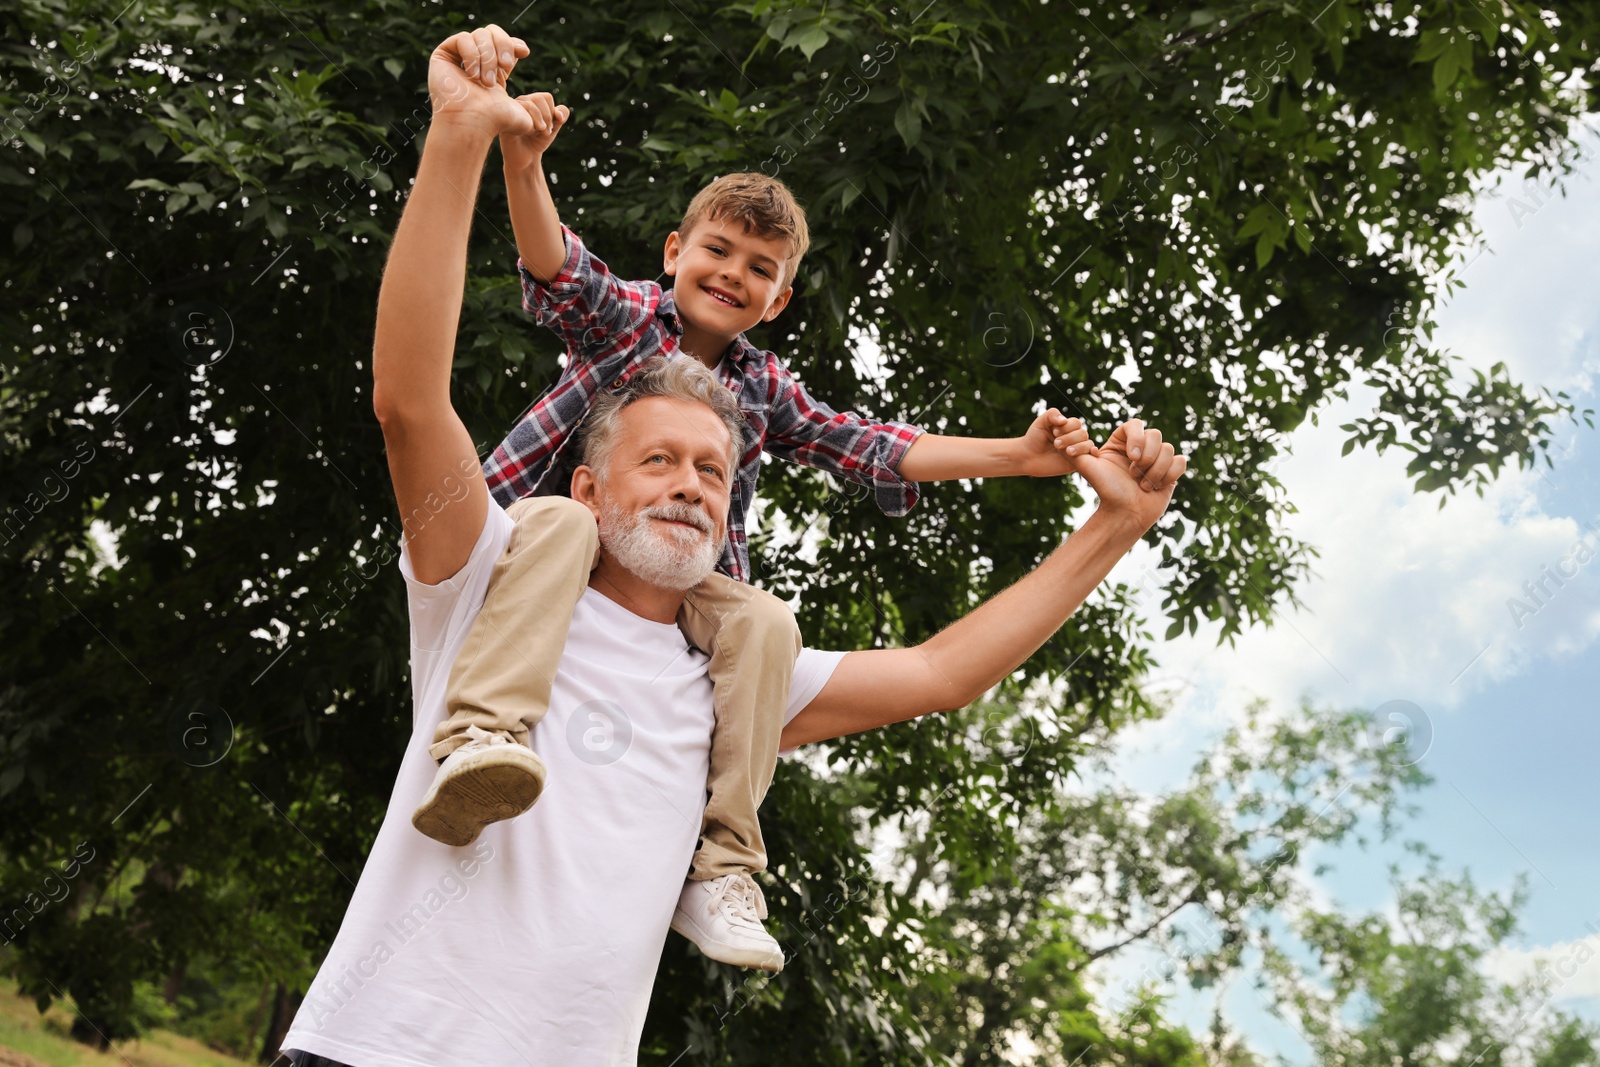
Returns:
<point x="43" y="1038"/>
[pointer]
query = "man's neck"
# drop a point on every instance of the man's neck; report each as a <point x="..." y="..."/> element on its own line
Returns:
<point x="632" y="592"/>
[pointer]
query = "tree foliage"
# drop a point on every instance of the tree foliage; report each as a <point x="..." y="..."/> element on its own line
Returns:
<point x="1217" y="217"/>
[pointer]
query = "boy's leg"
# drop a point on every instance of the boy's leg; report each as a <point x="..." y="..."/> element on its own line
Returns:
<point x="501" y="680"/>
<point x="499" y="684"/>
<point x="753" y="642"/>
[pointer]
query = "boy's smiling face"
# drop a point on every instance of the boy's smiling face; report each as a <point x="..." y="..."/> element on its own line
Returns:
<point x="726" y="279"/>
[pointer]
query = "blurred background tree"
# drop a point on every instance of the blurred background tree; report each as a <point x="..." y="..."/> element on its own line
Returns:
<point x="1216" y="217"/>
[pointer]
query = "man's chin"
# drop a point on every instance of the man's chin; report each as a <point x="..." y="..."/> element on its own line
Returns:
<point x="665" y="554"/>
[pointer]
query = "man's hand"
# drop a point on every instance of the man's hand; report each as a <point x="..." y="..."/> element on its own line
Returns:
<point x="1051" y="444"/>
<point x="526" y="149"/>
<point x="467" y="82"/>
<point x="1134" y="472"/>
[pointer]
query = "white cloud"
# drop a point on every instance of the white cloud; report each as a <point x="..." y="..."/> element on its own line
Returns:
<point x="1528" y="299"/>
<point x="1565" y="970"/>
<point x="1404" y="595"/>
<point x="1410" y="601"/>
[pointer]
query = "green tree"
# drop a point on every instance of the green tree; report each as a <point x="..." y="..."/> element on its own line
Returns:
<point x="1413" y="990"/>
<point x="1215" y="216"/>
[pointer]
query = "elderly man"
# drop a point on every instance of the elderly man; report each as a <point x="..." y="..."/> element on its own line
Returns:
<point x="539" y="943"/>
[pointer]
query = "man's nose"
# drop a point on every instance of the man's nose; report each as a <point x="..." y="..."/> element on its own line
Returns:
<point x="686" y="484"/>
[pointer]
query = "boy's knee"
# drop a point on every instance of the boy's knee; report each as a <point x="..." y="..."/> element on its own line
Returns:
<point x="563" y="515"/>
<point x="720" y="607"/>
<point x="771" y="621"/>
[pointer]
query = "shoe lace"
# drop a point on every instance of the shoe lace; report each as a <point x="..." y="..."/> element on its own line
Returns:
<point x="478" y="737"/>
<point x="742" y="893"/>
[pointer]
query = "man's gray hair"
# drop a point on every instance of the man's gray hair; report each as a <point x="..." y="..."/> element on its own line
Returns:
<point x="683" y="378"/>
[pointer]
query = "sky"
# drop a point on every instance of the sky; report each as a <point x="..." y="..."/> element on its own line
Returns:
<point x="1415" y="604"/>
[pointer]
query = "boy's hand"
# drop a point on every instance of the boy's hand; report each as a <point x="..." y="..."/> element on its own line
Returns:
<point x="1051" y="444"/>
<point x="525" y="149"/>
<point x="467" y="81"/>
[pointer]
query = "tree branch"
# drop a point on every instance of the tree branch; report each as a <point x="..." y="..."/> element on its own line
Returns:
<point x="1187" y="42"/>
<point x="1146" y="932"/>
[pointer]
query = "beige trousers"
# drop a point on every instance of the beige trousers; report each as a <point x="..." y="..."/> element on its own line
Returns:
<point x="501" y="679"/>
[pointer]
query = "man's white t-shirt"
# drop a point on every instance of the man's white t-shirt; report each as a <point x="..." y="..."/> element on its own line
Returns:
<point x="537" y="944"/>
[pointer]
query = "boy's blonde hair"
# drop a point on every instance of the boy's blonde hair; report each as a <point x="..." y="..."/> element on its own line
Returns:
<point x="765" y="207"/>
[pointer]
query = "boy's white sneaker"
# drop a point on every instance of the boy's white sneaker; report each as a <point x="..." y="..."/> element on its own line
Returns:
<point x="722" y="916"/>
<point x="489" y="778"/>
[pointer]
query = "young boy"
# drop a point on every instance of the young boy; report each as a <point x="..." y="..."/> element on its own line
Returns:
<point x="733" y="260"/>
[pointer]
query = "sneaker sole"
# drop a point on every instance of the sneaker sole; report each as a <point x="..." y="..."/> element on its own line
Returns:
<point x="723" y="952"/>
<point x="502" y="784"/>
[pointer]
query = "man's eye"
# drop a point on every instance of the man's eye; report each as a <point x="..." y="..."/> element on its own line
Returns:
<point x="713" y="471"/>
<point x="652" y="459"/>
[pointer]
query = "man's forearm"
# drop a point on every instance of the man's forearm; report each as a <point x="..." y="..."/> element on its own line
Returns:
<point x="419" y="300"/>
<point x="955" y="667"/>
<point x="535" y="222"/>
<point x="982" y="648"/>
<point x="935" y="458"/>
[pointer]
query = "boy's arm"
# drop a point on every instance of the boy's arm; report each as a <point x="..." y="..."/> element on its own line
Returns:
<point x="563" y="286"/>
<point x="891" y="457"/>
<point x="803" y="429"/>
<point x="1042" y="452"/>
<point x="419" y="306"/>
<point x="534" y="219"/>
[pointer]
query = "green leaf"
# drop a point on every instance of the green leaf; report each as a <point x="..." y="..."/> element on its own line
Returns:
<point x="1265" y="244"/>
<point x="1433" y="44"/>
<point x="1260" y="217"/>
<point x="177" y="202"/>
<point x="908" y="123"/>
<point x="22" y="236"/>
<point x="1456" y="58"/>
<point x="808" y="40"/>
<point x="395" y="67"/>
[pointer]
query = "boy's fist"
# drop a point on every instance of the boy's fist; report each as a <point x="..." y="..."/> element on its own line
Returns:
<point x="524" y="149"/>
<point x="1051" y="443"/>
<point x="467" y="81"/>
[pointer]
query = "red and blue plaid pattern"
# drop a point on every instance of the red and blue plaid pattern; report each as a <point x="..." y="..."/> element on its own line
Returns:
<point x="612" y="326"/>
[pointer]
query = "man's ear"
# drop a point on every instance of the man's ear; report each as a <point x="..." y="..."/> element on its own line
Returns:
<point x="779" y="302"/>
<point x="670" y="254"/>
<point x="585" y="489"/>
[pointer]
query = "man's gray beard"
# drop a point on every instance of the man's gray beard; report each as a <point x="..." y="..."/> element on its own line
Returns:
<point x="665" y="558"/>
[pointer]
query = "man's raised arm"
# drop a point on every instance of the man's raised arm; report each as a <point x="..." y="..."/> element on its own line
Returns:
<point x="432" y="463"/>
<point x="953" y="668"/>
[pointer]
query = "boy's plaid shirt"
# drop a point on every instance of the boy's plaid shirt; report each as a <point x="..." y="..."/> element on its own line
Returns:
<point x="612" y="326"/>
